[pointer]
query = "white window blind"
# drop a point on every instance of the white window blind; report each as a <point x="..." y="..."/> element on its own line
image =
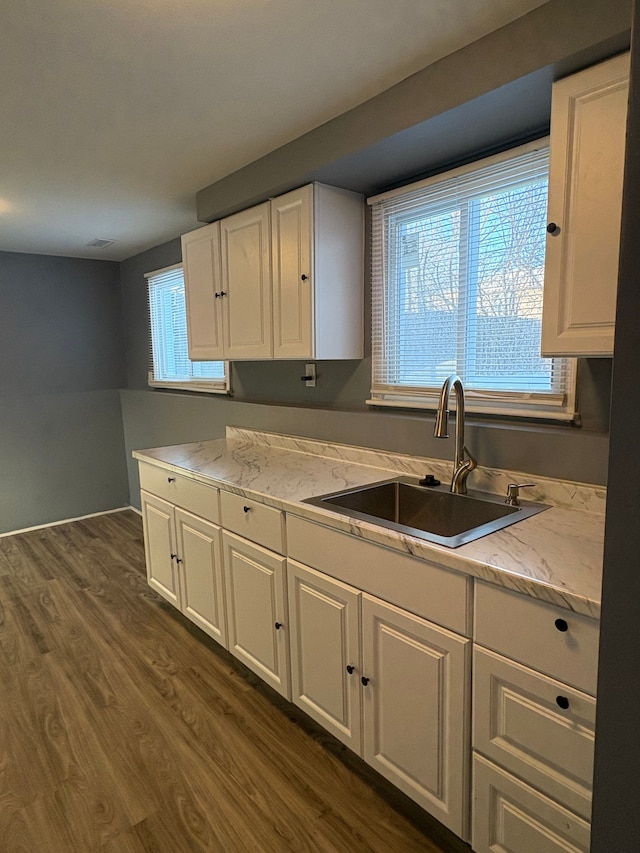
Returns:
<point x="169" y="362"/>
<point x="457" y="276"/>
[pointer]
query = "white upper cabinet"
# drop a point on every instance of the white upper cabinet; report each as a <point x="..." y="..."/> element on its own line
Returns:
<point x="245" y="295"/>
<point x="201" y="264"/>
<point x="283" y="279"/>
<point x="588" y="128"/>
<point x="317" y="260"/>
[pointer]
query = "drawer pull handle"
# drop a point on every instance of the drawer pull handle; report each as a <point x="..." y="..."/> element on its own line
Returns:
<point x="562" y="702"/>
<point x="364" y="681"/>
<point x="278" y="626"/>
<point x="171" y="479"/>
<point x="350" y="669"/>
<point x="246" y="508"/>
<point x="562" y="625"/>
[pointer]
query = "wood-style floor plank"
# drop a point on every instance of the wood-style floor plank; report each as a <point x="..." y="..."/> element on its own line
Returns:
<point x="123" y="729"/>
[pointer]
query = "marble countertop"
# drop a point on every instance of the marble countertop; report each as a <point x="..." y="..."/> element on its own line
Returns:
<point x="555" y="556"/>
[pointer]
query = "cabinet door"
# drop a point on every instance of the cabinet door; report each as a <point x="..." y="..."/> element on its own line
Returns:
<point x="200" y="570"/>
<point x="293" y="274"/>
<point x="588" y="126"/>
<point x="255" y="589"/>
<point x="246" y="283"/>
<point x="416" y="709"/>
<point x="160" y="547"/>
<point x="325" y="651"/>
<point x="201" y="265"/>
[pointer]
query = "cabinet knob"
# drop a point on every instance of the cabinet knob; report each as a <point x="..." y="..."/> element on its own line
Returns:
<point x="178" y="560"/>
<point x="562" y="702"/>
<point x="171" y="479"/>
<point x="278" y="625"/>
<point x="304" y="277"/>
<point x="553" y="228"/>
<point x="562" y="625"/>
<point x="220" y="294"/>
<point x="174" y="556"/>
<point x="350" y="669"/>
<point x="364" y="681"/>
<point x="246" y="508"/>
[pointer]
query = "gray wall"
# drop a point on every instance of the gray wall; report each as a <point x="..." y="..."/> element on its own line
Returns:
<point x="61" y="365"/>
<point x="270" y="396"/>
<point x="493" y="90"/>
<point x="505" y="74"/>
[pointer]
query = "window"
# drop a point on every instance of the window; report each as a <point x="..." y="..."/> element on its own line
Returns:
<point x="170" y="365"/>
<point x="458" y="271"/>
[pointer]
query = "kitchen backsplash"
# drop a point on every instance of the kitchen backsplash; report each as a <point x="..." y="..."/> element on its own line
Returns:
<point x="579" y="496"/>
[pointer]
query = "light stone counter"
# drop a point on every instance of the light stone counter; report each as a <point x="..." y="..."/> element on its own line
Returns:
<point x="555" y="556"/>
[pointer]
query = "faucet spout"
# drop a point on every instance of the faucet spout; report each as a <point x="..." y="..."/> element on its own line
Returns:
<point x="463" y="461"/>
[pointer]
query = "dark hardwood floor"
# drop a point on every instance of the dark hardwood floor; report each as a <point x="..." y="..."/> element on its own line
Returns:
<point x="123" y="729"/>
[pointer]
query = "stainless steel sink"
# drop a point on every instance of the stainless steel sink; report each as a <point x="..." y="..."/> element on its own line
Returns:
<point x="431" y="513"/>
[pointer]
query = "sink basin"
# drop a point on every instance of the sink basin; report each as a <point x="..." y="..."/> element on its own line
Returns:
<point x="431" y="513"/>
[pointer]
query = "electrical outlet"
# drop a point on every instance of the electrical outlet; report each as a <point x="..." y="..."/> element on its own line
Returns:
<point x="310" y="375"/>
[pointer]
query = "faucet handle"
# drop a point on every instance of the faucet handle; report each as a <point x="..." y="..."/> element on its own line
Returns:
<point x="473" y="463"/>
<point x="513" y="492"/>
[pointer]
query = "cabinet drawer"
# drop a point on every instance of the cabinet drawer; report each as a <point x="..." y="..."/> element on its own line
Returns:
<point x="415" y="585"/>
<point x="550" y="639"/>
<point x="520" y="722"/>
<point x="192" y="495"/>
<point x="509" y="815"/>
<point x="253" y="520"/>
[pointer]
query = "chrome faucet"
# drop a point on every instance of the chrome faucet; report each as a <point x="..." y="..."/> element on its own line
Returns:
<point x="463" y="461"/>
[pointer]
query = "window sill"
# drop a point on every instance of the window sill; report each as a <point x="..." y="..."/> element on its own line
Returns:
<point x="532" y="413"/>
<point x="198" y="387"/>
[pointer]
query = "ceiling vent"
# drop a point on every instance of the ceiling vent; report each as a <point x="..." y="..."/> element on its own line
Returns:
<point x="100" y="243"/>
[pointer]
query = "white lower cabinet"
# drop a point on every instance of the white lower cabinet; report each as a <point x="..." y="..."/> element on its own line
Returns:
<point x="334" y="627"/>
<point x="184" y="563"/>
<point x="512" y="817"/>
<point x="325" y="651"/>
<point x="416" y="678"/>
<point x="533" y="725"/>
<point x="255" y="587"/>
<point x="410" y="677"/>
<point x="160" y="547"/>
<point x="200" y="573"/>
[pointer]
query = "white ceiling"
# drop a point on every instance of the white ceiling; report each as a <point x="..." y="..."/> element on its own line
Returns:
<point x="114" y="113"/>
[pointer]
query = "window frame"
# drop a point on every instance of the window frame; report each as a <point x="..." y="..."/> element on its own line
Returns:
<point x="535" y="405"/>
<point x="196" y="384"/>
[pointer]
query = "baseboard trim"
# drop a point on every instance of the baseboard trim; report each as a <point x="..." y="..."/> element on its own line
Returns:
<point x="69" y="520"/>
